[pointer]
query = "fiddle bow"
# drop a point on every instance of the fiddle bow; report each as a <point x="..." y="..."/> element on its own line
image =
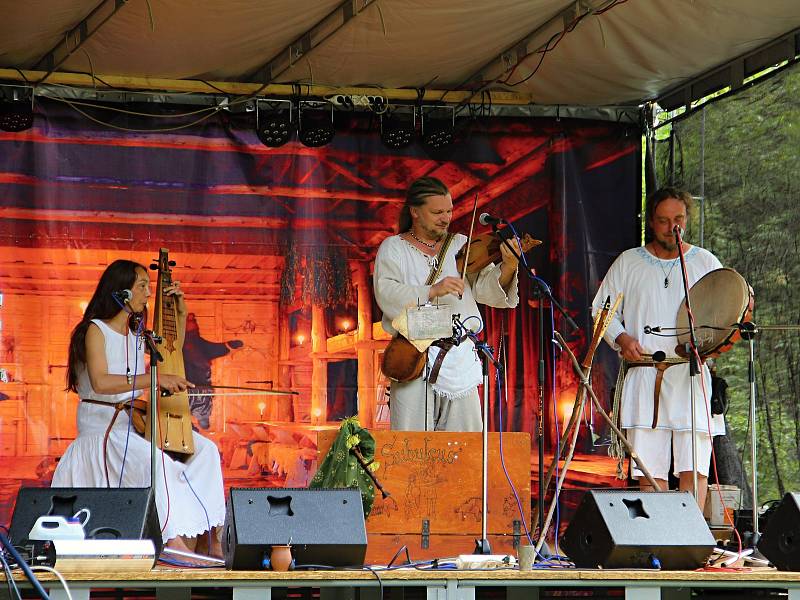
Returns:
<point x="469" y="239"/>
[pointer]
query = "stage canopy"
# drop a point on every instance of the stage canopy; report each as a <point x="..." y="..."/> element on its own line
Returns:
<point x="554" y="52"/>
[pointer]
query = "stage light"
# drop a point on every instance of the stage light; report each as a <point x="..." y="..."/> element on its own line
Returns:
<point x="398" y="129"/>
<point x="315" y="123"/>
<point x="274" y="122"/>
<point x="436" y="127"/>
<point x="16" y="109"/>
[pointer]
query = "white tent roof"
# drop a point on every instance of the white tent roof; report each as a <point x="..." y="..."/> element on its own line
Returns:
<point x="622" y="52"/>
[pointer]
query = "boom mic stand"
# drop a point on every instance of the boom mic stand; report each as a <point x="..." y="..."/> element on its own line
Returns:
<point x="692" y="352"/>
<point x="540" y="291"/>
<point x="155" y="356"/>
<point x="748" y="331"/>
<point x="482" y="545"/>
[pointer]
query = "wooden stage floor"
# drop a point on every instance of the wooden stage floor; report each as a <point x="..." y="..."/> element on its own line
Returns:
<point x="443" y="584"/>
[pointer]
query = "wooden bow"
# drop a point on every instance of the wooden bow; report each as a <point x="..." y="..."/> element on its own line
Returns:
<point x="469" y="237"/>
<point x="246" y="391"/>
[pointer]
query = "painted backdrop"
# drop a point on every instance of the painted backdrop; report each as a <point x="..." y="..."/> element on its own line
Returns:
<point x="274" y="248"/>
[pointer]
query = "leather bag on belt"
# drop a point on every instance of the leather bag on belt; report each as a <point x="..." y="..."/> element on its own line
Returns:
<point x="401" y="360"/>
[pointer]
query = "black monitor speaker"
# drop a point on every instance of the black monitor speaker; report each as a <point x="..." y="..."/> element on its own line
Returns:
<point x="633" y="529"/>
<point x="323" y="526"/>
<point x="780" y="541"/>
<point x="114" y="513"/>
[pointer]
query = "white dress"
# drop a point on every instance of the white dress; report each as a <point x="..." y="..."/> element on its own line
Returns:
<point x="639" y="276"/>
<point x="189" y="500"/>
<point x="401" y="271"/>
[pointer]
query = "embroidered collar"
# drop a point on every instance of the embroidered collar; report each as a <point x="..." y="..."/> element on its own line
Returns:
<point x="642" y="252"/>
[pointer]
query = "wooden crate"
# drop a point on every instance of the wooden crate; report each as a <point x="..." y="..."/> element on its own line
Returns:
<point x="434" y="479"/>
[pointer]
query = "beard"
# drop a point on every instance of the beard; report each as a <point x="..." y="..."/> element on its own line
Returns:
<point x="435" y="234"/>
<point x="668" y="244"/>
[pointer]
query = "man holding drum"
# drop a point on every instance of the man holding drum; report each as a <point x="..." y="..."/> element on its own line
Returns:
<point x="655" y="400"/>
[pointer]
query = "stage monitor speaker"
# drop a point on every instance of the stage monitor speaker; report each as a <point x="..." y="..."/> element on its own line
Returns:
<point x="780" y="541"/>
<point x="323" y="526"/>
<point x="619" y="529"/>
<point x="114" y="513"/>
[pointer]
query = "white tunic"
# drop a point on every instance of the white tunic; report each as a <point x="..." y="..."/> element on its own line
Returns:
<point x="179" y="510"/>
<point x="639" y="276"/>
<point x="401" y="271"/>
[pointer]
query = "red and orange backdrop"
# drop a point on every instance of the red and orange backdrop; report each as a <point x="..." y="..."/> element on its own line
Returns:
<point x="274" y="247"/>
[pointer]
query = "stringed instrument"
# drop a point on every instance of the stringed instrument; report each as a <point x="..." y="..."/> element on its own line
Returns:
<point x="174" y="414"/>
<point x="484" y="249"/>
<point x="401" y="360"/>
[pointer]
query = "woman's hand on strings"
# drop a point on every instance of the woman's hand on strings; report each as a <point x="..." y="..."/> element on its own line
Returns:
<point x="173" y="383"/>
<point x="175" y="291"/>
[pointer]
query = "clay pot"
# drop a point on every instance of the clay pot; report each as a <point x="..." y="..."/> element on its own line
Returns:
<point x="280" y="558"/>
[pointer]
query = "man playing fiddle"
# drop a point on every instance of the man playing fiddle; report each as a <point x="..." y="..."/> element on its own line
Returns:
<point x="403" y="264"/>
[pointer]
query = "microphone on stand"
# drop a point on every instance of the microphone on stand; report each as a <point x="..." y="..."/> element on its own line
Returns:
<point x="648" y="330"/>
<point x="487" y="219"/>
<point x="657" y="356"/>
<point x="469" y="327"/>
<point x="678" y="231"/>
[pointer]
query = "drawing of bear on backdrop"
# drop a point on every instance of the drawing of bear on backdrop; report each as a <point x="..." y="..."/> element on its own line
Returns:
<point x="198" y="353"/>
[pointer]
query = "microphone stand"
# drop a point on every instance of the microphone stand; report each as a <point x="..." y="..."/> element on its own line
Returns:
<point x="155" y="356"/>
<point x="482" y="545"/>
<point x="540" y="291"/>
<point x="692" y="352"/>
<point x="748" y="332"/>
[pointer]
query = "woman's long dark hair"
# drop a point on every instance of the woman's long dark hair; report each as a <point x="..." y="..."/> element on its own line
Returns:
<point x="119" y="275"/>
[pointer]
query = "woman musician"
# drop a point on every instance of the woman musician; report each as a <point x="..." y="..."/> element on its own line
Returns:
<point x="107" y="370"/>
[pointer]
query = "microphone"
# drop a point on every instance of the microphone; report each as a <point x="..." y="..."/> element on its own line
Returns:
<point x="678" y="230"/>
<point x="648" y="330"/>
<point x="122" y="296"/>
<point x="468" y="327"/>
<point x="487" y="219"/>
<point x="657" y="356"/>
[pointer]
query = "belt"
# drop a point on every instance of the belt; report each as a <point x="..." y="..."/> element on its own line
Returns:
<point x="660" y="368"/>
<point x="445" y="345"/>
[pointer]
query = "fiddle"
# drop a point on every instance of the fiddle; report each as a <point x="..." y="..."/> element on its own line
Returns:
<point x="485" y="249"/>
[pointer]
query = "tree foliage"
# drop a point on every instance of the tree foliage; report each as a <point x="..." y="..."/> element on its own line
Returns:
<point x="743" y="153"/>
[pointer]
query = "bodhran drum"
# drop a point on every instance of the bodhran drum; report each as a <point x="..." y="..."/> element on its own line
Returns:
<point x="720" y="299"/>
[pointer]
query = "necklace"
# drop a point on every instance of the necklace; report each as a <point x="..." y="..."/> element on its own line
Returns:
<point x="663" y="270"/>
<point x="431" y="246"/>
